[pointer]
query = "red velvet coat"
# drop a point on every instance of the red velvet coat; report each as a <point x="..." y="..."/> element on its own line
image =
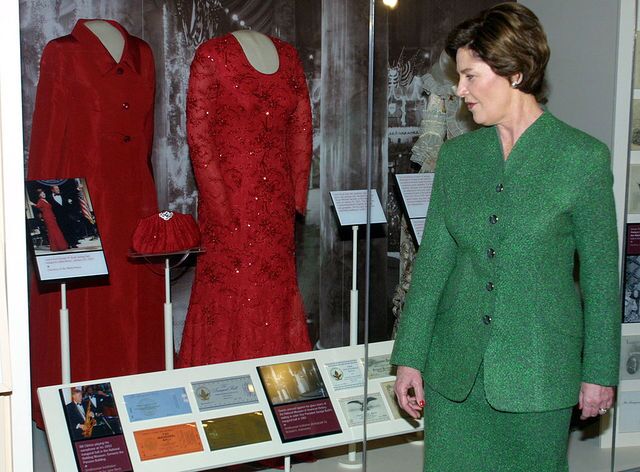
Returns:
<point x="94" y="119"/>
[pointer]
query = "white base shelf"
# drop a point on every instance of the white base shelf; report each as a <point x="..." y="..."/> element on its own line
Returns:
<point x="397" y="454"/>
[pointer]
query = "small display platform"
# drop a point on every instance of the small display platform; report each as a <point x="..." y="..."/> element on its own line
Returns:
<point x="223" y="414"/>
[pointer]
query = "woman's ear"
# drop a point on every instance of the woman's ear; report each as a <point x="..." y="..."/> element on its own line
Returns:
<point x="515" y="80"/>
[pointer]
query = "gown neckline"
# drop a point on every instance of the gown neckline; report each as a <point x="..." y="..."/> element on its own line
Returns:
<point x="245" y="59"/>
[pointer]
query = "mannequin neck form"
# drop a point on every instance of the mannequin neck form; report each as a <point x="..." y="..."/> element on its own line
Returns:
<point x="110" y="37"/>
<point x="259" y="51"/>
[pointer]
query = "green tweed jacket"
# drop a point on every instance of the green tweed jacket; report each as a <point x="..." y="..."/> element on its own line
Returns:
<point x="493" y="280"/>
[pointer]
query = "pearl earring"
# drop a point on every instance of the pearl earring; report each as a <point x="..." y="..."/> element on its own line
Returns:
<point x="514" y="84"/>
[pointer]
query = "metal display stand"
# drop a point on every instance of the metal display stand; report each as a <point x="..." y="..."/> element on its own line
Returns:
<point x="168" y="306"/>
<point x="352" y="461"/>
<point x="65" y="344"/>
<point x="354" y="208"/>
<point x="65" y="349"/>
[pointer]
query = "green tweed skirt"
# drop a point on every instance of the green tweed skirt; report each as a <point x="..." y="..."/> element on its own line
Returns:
<point x="471" y="436"/>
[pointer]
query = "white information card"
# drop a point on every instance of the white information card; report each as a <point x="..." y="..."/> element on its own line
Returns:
<point x="71" y="265"/>
<point x="351" y="207"/>
<point x="417" y="225"/>
<point x="415" y="190"/>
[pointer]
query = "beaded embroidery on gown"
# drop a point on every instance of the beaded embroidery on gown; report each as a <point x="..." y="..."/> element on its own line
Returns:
<point x="249" y="136"/>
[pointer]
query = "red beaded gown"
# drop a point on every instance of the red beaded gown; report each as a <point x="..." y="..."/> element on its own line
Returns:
<point x="93" y="118"/>
<point x="56" y="238"/>
<point x="250" y="141"/>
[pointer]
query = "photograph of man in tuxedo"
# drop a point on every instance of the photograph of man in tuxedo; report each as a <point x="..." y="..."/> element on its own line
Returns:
<point x="66" y="208"/>
<point x="77" y="414"/>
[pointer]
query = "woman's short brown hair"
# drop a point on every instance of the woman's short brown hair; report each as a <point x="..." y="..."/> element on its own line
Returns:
<point x="510" y="39"/>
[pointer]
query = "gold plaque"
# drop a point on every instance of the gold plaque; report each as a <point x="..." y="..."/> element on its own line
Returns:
<point x="237" y="430"/>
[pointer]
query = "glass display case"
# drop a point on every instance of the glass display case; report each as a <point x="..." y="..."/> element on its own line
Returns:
<point x="382" y="102"/>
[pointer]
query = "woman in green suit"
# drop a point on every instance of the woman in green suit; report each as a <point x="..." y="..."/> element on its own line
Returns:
<point x="493" y="326"/>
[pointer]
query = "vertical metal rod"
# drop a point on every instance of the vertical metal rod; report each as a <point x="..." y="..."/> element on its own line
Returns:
<point x="353" y="311"/>
<point x="168" y="318"/>
<point x="353" y="325"/>
<point x="367" y="288"/>
<point x="167" y="281"/>
<point x="65" y="349"/>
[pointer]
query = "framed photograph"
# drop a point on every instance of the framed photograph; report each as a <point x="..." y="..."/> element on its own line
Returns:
<point x="94" y="427"/>
<point x="62" y="230"/>
<point x="299" y="400"/>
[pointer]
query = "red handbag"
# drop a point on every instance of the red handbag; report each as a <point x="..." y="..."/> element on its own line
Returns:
<point x="166" y="232"/>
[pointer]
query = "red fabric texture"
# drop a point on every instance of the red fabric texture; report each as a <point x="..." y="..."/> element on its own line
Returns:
<point x="94" y="118"/>
<point x="56" y="238"/>
<point x="249" y="135"/>
<point x="166" y="232"/>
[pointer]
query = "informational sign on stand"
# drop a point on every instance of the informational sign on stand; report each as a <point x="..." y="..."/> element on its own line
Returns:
<point x="223" y="414"/>
<point x="417" y="226"/>
<point x="351" y="207"/>
<point x="63" y="230"/>
<point x="415" y="192"/>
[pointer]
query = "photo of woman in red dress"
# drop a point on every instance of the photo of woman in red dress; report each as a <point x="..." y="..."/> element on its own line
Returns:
<point x="56" y="238"/>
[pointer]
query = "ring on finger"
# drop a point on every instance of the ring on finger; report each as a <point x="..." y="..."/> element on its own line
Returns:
<point x="602" y="411"/>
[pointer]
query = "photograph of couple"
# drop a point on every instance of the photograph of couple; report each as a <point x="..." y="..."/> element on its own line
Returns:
<point x="60" y="216"/>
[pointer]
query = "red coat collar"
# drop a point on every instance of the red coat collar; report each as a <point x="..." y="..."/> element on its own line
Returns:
<point x="130" y="55"/>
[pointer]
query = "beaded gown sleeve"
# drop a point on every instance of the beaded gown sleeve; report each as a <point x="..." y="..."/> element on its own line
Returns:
<point x="299" y="139"/>
<point x="249" y="136"/>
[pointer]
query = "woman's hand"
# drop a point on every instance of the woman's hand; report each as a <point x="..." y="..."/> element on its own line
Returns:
<point x="409" y="378"/>
<point x="593" y="399"/>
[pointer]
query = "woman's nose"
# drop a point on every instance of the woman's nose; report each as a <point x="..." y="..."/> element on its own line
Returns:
<point x="460" y="90"/>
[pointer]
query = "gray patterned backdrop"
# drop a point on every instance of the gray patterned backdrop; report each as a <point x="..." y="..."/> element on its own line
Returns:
<point x="331" y="37"/>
